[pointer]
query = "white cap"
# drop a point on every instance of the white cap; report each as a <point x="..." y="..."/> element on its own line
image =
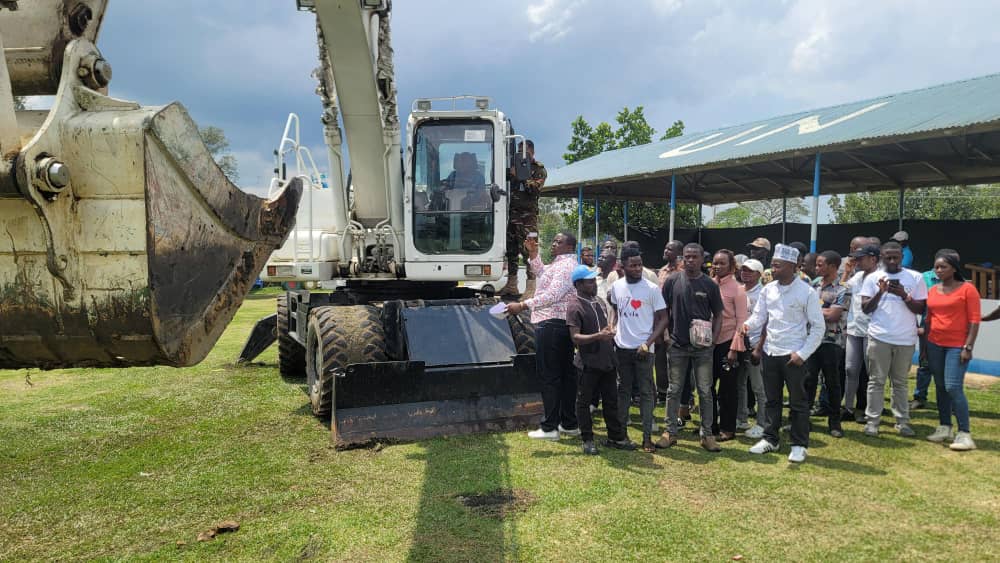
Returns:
<point x="754" y="265"/>
<point x="786" y="253"/>
<point x="901" y="236"/>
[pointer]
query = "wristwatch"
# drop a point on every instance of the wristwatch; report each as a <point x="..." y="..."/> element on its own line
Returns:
<point x="967" y="348"/>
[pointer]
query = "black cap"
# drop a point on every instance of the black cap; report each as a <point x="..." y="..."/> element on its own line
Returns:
<point x="867" y="250"/>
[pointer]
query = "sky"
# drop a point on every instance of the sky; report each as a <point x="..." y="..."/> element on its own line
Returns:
<point x="244" y="65"/>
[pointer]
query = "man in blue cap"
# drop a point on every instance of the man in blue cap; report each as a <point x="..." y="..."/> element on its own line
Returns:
<point x="587" y="319"/>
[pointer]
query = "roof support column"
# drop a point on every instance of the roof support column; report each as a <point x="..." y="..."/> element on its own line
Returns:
<point x="784" y="217"/>
<point x="901" y="207"/>
<point x="673" y="203"/>
<point x="626" y="221"/>
<point x="815" y="214"/>
<point x="579" y="222"/>
<point x="700" y="211"/>
<point x="597" y="225"/>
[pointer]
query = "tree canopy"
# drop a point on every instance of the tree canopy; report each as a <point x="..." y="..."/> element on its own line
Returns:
<point x="632" y="129"/>
<point x="950" y="202"/>
<point x="218" y="146"/>
<point x="757" y="213"/>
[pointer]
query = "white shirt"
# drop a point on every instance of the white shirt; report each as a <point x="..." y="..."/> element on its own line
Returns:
<point x="636" y="304"/>
<point x="857" y="320"/>
<point x="892" y="321"/>
<point x="603" y="285"/>
<point x="752" y="296"/>
<point x="794" y="319"/>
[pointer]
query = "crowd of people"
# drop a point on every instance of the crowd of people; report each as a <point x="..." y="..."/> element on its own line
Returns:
<point x="738" y="330"/>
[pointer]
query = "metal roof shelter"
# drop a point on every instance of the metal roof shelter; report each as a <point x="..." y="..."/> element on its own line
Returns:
<point x="941" y="135"/>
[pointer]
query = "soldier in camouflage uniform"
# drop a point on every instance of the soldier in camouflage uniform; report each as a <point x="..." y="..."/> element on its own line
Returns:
<point x="523" y="219"/>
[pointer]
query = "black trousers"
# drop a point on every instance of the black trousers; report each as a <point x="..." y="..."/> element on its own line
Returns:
<point x="826" y="360"/>
<point x="661" y="367"/>
<point x="778" y="374"/>
<point x="724" y="391"/>
<point x="554" y="363"/>
<point x="592" y="382"/>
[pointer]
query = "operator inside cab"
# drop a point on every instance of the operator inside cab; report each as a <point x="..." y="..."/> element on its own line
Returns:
<point x="465" y="187"/>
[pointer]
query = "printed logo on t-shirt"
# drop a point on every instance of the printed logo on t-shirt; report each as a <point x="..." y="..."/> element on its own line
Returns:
<point x="629" y="307"/>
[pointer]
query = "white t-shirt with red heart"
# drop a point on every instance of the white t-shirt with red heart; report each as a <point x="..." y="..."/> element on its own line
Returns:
<point x="636" y="303"/>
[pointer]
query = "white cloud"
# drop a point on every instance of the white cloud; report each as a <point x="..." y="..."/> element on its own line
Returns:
<point x="666" y="7"/>
<point x="552" y="18"/>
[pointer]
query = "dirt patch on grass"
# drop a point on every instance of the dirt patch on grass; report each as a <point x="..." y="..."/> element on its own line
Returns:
<point x="498" y="503"/>
<point x="980" y="381"/>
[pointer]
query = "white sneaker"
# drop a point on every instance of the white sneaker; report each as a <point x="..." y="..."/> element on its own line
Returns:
<point x="763" y="447"/>
<point x="743" y="426"/>
<point x="573" y="432"/>
<point x="963" y="442"/>
<point x="756" y="432"/>
<point x="798" y="454"/>
<point x="941" y="434"/>
<point x="871" y="429"/>
<point x="543" y="435"/>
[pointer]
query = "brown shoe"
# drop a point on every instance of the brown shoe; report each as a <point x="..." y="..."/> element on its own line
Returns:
<point x="708" y="442"/>
<point x="666" y="440"/>
<point x="726" y="436"/>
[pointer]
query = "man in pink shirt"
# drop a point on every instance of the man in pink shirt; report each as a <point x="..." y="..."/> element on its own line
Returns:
<point x="553" y="347"/>
<point x="725" y="362"/>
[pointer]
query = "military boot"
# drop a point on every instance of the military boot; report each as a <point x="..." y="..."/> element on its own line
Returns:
<point x="529" y="290"/>
<point x="510" y="288"/>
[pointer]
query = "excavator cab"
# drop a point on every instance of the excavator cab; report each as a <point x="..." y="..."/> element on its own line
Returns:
<point x="456" y="212"/>
<point x="121" y="241"/>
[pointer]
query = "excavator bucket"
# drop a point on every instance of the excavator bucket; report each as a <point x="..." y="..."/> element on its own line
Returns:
<point x="121" y="241"/>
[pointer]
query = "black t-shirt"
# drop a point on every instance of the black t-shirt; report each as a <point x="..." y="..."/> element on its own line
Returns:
<point x="590" y="317"/>
<point x="689" y="299"/>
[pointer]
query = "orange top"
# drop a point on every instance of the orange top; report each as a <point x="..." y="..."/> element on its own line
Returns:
<point x="951" y="314"/>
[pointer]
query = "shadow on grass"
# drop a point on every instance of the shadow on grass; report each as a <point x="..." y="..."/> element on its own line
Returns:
<point x="467" y="503"/>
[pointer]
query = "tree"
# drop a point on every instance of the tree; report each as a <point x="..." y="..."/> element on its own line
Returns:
<point x="770" y="210"/>
<point x="757" y="213"/>
<point x="675" y="130"/>
<point x="946" y="202"/>
<point x="218" y="146"/>
<point x="735" y="217"/>
<point x="632" y="130"/>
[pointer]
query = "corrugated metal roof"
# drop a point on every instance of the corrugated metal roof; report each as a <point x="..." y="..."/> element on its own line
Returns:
<point x="948" y="110"/>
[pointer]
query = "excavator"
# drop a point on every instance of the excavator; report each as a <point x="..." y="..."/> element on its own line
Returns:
<point x="123" y="243"/>
<point x="398" y="349"/>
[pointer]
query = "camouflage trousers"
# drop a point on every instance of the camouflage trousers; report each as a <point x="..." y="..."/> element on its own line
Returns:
<point x="517" y="231"/>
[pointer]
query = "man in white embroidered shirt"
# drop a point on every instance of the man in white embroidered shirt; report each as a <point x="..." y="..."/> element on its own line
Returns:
<point x="794" y="329"/>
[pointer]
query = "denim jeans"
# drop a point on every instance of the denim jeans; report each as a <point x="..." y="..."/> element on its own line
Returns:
<point x="632" y="371"/>
<point x="857" y="374"/>
<point x="949" y="380"/>
<point x="680" y="361"/>
<point x="748" y="371"/>
<point x="924" y="377"/>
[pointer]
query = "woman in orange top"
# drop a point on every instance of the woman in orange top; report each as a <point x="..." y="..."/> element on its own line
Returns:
<point x="953" y="317"/>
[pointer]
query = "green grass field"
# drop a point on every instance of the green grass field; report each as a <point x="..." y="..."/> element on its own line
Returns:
<point x="134" y="463"/>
